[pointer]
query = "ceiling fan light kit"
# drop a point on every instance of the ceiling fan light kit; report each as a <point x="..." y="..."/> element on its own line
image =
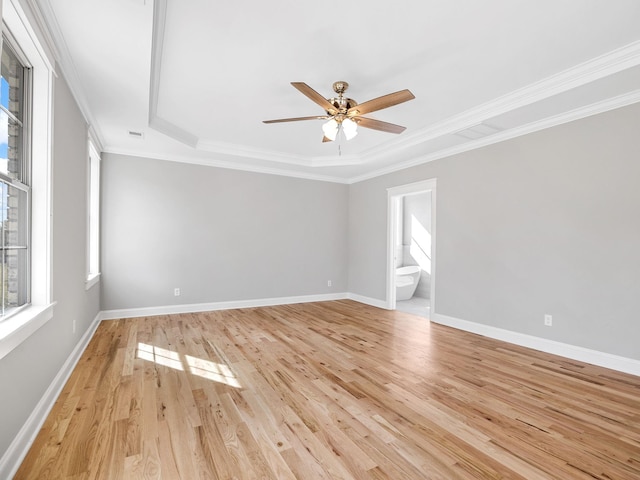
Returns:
<point x="344" y="114"/>
<point x="332" y="128"/>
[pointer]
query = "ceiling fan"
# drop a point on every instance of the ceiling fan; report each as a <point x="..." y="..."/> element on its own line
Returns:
<point x="344" y="114"/>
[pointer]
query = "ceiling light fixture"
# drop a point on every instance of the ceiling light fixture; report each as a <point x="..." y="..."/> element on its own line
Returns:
<point x="332" y="128"/>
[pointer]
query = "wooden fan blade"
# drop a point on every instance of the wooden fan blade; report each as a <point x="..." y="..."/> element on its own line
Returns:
<point x="378" y="125"/>
<point x="326" y="139"/>
<point x="381" y="102"/>
<point x="315" y="96"/>
<point x="280" y="120"/>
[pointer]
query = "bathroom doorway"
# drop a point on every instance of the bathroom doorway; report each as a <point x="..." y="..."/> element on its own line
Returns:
<point x="411" y="248"/>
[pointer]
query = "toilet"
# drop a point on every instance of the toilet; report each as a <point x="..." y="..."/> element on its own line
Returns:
<point x="407" y="279"/>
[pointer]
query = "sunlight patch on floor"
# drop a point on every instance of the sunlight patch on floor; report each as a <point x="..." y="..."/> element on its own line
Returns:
<point x="216" y="372"/>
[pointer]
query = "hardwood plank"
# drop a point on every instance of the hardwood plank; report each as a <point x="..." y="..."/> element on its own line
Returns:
<point x="330" y="390"/>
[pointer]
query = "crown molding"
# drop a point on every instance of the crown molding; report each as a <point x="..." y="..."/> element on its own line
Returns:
<point x="243" y="151"/>
<point x="595" y="69"/>
<point x="230" y="165"/>
<point x="58" y="46"/>
<point x="576" y="114"/>
<point x="237" y="150"/>
<point x="566" y="117"/>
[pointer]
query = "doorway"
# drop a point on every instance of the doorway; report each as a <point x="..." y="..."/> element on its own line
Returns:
<point x="411" y="237"/>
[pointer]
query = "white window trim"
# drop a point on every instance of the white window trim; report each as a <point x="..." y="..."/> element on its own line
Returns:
<point x="92" y="279"/>
<point x="17" y="328"/>
<point x="93" y="202"/>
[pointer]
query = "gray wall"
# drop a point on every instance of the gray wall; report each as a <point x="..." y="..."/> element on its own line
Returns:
<point x="545" y="223"/>
<point x="217" y="234"/>
<point x="27" y="371"/>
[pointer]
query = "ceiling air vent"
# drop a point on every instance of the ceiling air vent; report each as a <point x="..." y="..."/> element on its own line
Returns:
<point x="478" y="131"/>
<point x="136" y="134"/>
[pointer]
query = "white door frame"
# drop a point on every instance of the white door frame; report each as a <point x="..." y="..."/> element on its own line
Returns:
<point x="394" y="196"/>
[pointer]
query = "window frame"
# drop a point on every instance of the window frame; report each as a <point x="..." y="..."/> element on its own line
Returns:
<point x="23" y="183"/>
<point x="93" y="215"/>
<point x="18" y="22"/>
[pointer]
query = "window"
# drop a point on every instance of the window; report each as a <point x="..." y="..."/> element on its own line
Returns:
<point x="93" y="260"/>
<point x="26" y="95"/>
<point x="15" y="193"/>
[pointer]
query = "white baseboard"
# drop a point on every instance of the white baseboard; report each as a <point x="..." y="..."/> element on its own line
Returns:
<point x="13" y="457"/>
<point x="594" y="357"/>
<point x="208" y="307"/>
<point x="374" y="302"/>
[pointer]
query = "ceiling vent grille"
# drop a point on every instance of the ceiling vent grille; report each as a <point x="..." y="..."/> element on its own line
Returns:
<point x="478" y="131"/>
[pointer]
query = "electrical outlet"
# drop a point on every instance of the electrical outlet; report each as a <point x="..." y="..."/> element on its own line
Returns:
<point x="176" y="292"/>
<point x="548" y="320"/>
<point x="73" y="325"/>
<point x="328" y="283"/>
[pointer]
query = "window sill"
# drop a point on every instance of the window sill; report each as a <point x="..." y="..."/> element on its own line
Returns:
<point x="91" y="281"/>
<point x="17" y="328"/>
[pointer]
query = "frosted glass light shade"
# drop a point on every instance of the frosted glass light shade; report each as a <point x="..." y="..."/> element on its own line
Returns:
<point x="350" y="128"/>
<point x="330" y="129"/>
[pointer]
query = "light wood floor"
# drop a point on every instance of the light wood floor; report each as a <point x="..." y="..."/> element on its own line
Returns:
<point x="334" y="390"/>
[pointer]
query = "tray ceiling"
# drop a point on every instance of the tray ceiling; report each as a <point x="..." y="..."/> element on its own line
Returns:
<point x="197" y="78"/>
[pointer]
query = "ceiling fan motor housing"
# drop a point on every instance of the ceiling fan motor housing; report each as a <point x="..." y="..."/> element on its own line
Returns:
<point x="341" y="102"/>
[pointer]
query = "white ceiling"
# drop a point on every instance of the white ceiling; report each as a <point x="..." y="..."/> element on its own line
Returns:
<point x="198" y="77"/>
